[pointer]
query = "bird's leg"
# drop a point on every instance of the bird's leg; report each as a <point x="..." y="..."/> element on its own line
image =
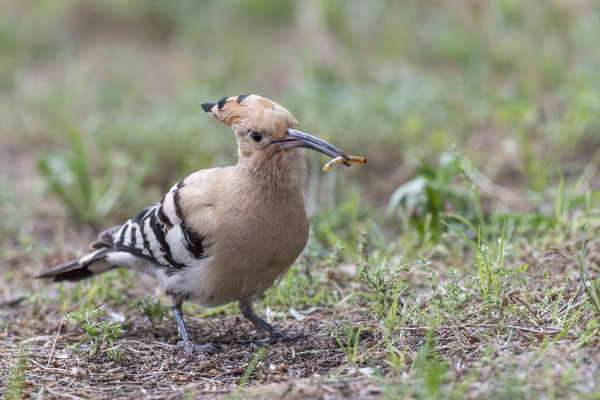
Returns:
<point x="275" y="335"/>
<point x="188" y="345"/>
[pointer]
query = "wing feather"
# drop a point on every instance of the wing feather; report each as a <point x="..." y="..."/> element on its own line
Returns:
<point x="159" y="233"/>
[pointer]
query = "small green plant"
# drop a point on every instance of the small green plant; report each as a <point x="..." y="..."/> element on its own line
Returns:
<point x="592" y="286"/>
<point x="386" y="284"/>
<point x="578" y="197"/>
<point x="69" y="177"/>
<point x="493" y="278"/>
<point x="420" y="202"/>
<point x="152" y="308"/>
<point x="252" y="366"/>
<point x="388" y="287"/>
<point x="427" y="376"/>
<point x="16" y="377"/>
<point x="387" y="291"/>
<point x="429" y="368"/>
<point x="455" y="296"/>
<point x="350" y="345"/>
<point x="100" y="333"/>
<point x="591" y="332"/>
<point x="89" y="191"/>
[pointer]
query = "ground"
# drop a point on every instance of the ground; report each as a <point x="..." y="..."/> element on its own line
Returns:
<point x="462" y="261"/>
<point x="539" y="337"/>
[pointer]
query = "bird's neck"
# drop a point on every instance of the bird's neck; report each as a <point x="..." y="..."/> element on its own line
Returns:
<point x="282" y="171"/>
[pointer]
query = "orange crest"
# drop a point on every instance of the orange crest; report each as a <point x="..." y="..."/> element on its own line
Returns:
<point x="250" y="111"/>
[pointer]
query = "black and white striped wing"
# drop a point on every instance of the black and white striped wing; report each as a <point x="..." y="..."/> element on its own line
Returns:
<point x="159" y="234"/>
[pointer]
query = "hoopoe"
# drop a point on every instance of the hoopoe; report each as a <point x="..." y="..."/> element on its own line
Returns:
<point x="223" y="234"/>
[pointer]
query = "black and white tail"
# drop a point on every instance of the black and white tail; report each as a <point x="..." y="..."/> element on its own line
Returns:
<point x="84" y="267"/>
<point x="88" y="265"/>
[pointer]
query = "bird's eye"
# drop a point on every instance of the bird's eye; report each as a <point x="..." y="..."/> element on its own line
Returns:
<point x="255" y="136"/>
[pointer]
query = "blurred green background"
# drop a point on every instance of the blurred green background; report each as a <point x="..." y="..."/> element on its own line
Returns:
<point x="471" y="107"/>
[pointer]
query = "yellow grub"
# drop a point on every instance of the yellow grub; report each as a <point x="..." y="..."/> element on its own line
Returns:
<point x="341" y="159"/>
<point x="338" y="160"/>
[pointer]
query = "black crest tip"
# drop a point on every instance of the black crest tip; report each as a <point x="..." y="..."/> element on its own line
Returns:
<point x="208" y="106"/>
<point x="221" y="102"/>
<point x="242" y="97"/>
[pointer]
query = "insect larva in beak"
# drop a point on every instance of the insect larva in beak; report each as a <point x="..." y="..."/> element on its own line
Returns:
<point x="338" y="160"/>
<point x="343" y="158"/>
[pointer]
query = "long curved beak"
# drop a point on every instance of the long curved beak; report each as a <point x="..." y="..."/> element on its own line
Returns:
<point x="295" y="138"/>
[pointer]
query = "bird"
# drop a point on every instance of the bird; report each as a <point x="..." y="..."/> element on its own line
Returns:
<point x="224" y="234"/>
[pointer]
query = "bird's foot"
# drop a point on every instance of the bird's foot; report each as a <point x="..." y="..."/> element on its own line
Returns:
<point x="278" y="337"/>
<point x="190" y="347"/>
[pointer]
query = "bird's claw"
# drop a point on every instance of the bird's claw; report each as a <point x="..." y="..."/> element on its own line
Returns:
<point x="190" y="347"/>
<point x="278" y="337"/>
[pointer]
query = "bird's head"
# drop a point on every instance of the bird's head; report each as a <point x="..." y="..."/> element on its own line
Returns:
<point x="263" y="127"/>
